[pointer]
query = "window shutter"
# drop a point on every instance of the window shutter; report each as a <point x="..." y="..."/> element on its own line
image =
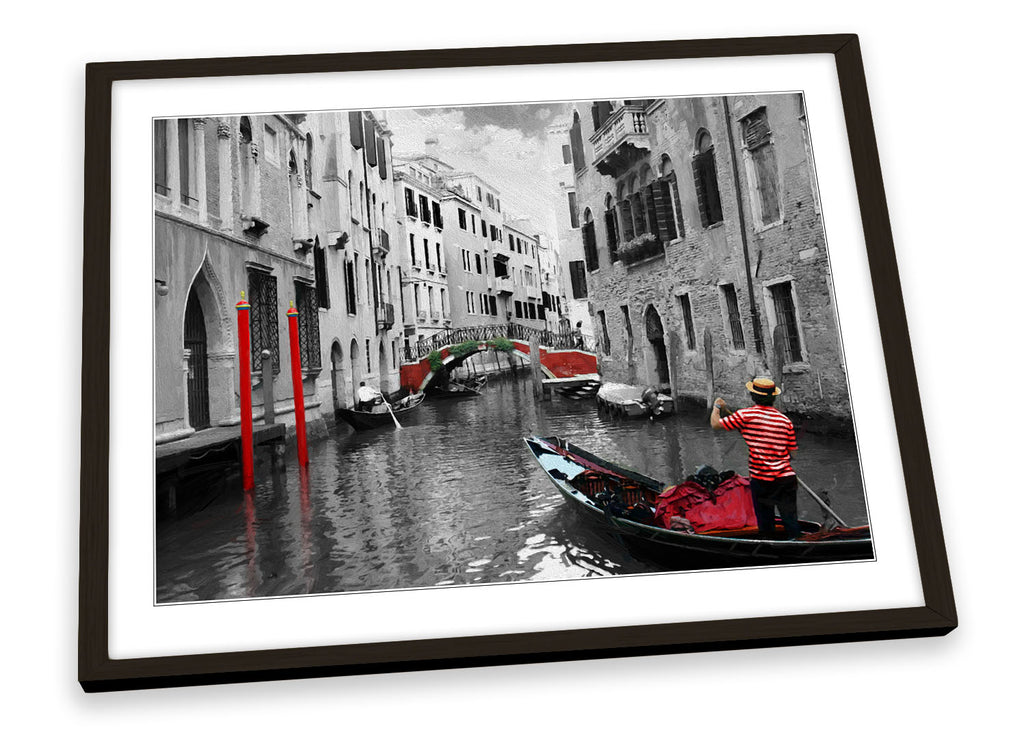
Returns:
<point x="626" y="218"/>
<point x="672" y="188"/>
<point x="382" y="165"/>
<point x="755" y="129"/>
<point x="662" y="210"/>
<point x="698" y="183"/>
<point x="653" y="219"/>
<point x="355" y="128"/>
<point x="370" y="137"/>
<point x="613" y="236"/>
<point x="590" y="246"/>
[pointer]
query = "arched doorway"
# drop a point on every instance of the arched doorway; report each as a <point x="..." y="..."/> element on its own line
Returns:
<point x="198" y="381"/>
<point x="656" y="339"/>
<point x="353" y="357"/>
<point x="337" y="375"/>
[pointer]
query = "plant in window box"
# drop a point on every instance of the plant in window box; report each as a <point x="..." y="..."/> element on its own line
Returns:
<point x="639" y="248"/>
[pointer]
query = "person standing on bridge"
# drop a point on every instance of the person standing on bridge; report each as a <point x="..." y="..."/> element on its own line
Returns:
<point x="770" y="440"/>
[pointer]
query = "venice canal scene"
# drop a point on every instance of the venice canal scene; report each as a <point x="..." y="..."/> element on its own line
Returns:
<point x="455" y="346"/>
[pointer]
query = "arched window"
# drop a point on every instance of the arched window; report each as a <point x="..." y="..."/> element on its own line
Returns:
<point x="705" y="179"/>
<point x="589" y="241"/>
<point x="611" y="225"/>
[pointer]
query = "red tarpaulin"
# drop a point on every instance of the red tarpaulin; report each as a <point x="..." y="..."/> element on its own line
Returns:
<point x="728" y="507"/>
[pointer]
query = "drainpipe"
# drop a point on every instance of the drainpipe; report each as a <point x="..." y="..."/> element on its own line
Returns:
<point x="758" y="342"/>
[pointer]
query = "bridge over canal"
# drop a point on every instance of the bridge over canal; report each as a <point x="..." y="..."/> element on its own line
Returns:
<point x="562" y="355"/>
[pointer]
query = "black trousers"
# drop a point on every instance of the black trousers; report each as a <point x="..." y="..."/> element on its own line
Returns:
<point x="769" y="495"/>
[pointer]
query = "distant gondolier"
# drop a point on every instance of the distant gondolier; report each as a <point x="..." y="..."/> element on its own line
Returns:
<point x="367" y="397"/>
<point x="770" y="440"/>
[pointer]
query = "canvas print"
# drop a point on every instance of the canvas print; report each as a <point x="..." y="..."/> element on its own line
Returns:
<point x="495" y="344"/>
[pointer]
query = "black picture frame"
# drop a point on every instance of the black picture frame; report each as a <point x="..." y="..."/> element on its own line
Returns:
<point x="99" y="672"/>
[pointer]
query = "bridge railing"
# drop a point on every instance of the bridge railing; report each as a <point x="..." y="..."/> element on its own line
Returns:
<point x="513" y="331"/>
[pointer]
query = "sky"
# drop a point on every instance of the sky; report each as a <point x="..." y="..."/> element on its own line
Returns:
<point x="502" y="144"/>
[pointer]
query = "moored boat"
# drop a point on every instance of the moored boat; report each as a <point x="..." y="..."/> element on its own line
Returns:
<point x="628" y="502"/>
<point x="379" y="416"/>
<point x="624" y="400"/>
<point x="454" y="390"/>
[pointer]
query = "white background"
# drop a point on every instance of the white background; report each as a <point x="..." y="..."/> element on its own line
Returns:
<point x="943" y="96"/>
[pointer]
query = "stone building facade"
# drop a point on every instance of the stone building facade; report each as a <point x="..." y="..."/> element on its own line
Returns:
<point x="704" y="248"/>
<point x="423" y="257"/>
<point x="568" y="245"/>
<point x="287" y="209"/>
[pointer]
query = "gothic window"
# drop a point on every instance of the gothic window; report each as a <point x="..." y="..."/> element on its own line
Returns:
<point x="262" y="297"/>
<point x="589" y="241"/>
<point x="611" y="228"/>
<point x="309" y="326"/>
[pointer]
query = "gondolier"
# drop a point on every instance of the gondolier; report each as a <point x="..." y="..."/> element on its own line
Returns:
<point x="770" y="440"/>
<point x="367" y="396"/>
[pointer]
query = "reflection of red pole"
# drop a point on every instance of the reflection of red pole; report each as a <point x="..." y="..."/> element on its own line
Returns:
<point x="300" y="403"/>
<point x="245" y="391"/>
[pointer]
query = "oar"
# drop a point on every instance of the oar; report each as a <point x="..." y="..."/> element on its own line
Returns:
<point x="820" y="501"/>
<point x="397" y="423"/>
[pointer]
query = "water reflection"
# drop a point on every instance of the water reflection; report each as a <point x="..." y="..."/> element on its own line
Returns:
<point x="454" y="498"/>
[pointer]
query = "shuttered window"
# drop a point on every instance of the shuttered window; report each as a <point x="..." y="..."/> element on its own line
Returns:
<point x="436" y="209"/>
<point x="763" y="167"/>
<point x="323" y="294"/>
<point x="576" y="143"/>
<point x="574" y="213"/>
<point x="732" y="313"/>
<point x="612" y="230"/>
<point x="578" y="278"/>
<point x="382" y="166"/>
<point x="424" y="210"/>
<point x="590" y="246"/>
<point x="410" y="202"/>
<point x="355" y="128"/>
<point x="705" y="180"/>
<point x="350" y="287"/>
<point x="687" y="310"/>
<point x="370" y="136"/>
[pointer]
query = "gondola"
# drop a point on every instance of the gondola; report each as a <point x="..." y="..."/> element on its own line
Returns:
<point x="454" y="390"/>
<point x="602" y="491"/>
<point x="379" y="416"/>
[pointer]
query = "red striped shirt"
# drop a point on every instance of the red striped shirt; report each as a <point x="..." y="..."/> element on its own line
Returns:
<point x="770" y="439"/>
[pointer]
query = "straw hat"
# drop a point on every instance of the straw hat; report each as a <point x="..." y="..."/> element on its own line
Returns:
<point x="764" y="386"/>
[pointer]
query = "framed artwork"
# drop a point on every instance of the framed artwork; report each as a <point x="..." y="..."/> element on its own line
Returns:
<point x="431" y="359"/>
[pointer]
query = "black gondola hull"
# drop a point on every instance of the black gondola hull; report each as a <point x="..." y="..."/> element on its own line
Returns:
<point x="692" y="550"/>
<point x="360" y="420"/>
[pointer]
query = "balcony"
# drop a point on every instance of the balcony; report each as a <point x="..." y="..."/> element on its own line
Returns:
<point x="385" y="316"/>
<point x="421" y="316"/>
<point x="504" y="285"/>
<point x="621" y="141"/>
<point x="383" y="242"/>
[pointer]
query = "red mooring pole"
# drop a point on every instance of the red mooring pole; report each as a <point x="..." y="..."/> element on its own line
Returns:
<point x="245" y="392"/>
<point x="300" y="403"/>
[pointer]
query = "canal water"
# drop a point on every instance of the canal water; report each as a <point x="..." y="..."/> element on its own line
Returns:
<point x="453" y="498"/>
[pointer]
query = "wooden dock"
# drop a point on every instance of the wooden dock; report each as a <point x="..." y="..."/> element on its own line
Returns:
<point x="178" y="454"/>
